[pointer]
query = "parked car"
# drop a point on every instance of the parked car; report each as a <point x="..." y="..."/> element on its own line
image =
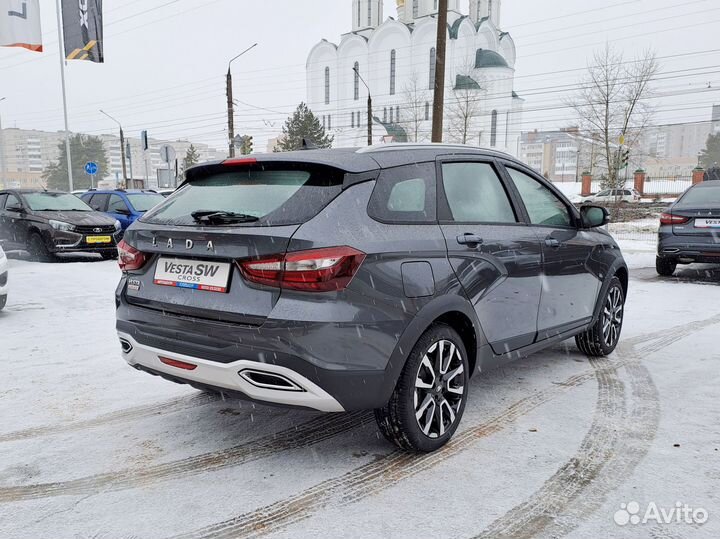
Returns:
<point x="79" y="192"/>
<point x="46" y="223"/>
<point x="690" y="228"/>
<point x="613" y="196"/>
<point x="4" y="286"/>
<point x="125" y="206"/>
<point x="381" y="278"/>
<point x="166" y="192"/>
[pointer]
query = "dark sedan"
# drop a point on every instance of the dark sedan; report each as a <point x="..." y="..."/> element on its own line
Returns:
<point x="690" y="229"/>
<point x="45" y="223"/>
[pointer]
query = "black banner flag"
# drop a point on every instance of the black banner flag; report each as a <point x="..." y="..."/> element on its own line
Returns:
<point x="83" y="29"/>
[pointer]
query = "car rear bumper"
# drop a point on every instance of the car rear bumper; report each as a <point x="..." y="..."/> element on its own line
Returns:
<point x="258" y="381"/>
<point x="686" y="249"/>
<point x="338" y="365"/>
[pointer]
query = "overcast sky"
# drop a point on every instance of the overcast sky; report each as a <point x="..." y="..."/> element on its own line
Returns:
<point x="165" y="62"/>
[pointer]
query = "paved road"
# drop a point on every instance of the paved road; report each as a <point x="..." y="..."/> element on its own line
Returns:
<point x="550" y="446"/>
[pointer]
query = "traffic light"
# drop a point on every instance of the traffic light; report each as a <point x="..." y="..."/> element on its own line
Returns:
<point x="246" y="145"/>
<point x="624" y="156"/>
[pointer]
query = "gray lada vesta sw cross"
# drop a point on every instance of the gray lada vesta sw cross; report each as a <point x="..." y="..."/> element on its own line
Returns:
<point x="379" y="278"/>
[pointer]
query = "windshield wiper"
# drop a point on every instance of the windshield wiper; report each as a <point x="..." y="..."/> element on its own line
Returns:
<point x="222" y="217"/>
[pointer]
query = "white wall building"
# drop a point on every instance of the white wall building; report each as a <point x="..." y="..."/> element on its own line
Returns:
<point x="397" y="60"/>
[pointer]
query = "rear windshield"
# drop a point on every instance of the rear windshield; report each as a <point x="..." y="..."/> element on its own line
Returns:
<point x="275" y="196"/>
<point x="55" y="202"/>
<point x="701" y="196"/>
<point x="145" y="201"/>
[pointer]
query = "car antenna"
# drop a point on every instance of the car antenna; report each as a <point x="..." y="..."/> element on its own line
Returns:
<point x="308" y="144"/>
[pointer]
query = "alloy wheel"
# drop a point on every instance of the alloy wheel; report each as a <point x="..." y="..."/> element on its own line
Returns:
<point x="439" y="388"/>
<point x="612" y="316"/>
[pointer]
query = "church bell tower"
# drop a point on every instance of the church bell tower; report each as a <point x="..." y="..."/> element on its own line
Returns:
<point x="366" y="14"/>
<point x="479" y="9"/>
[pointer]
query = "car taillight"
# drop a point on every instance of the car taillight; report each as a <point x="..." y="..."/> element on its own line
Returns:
<point x="316" y="270"/>
<point x="670" y="219"/>
<point x="129" y="258"/>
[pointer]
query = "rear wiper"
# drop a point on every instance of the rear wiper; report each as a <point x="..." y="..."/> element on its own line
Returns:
<point x="222" y="217"/>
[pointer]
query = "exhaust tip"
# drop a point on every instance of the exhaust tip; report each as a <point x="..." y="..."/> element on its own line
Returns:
<point x="269" y="380"/>
<point x="126" y="346"/>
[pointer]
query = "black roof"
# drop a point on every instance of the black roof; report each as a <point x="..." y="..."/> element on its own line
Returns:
<point x="359" y="160"/>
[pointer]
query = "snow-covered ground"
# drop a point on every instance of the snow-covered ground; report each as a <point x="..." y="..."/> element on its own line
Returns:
<point x="550" y="446"/>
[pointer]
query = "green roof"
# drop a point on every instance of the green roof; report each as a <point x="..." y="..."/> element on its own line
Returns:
<point x="465" y="82"/>
<point x="488" y="58"/>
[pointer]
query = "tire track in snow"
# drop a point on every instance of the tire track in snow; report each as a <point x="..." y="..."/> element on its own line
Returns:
<point x="387" y="471"/>
<point x="304" y="435"/>
<point x="657" y="340"/>
<point x="383" y="472"/>
<point x="120" y="416"/>
<point x="615" y="444"/>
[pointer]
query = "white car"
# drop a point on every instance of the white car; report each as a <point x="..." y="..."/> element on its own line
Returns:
<point x="609" y="196"/>
<point x="4" y="286"/>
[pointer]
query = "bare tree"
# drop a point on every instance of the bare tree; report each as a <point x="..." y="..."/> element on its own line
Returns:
<point x="464" y="105"/>
<point x="417" y="100"/>
<point x="613" y="106"/>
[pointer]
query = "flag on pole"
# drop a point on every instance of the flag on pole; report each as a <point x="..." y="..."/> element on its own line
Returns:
<point x="20" y="24"/>
<point x="83" y="30"/>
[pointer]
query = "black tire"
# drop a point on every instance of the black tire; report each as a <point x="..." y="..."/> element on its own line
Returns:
<point x="38" y="248"/>
<point x="665" y="266"/>
<point x="397" y="419"/>
<point x="602" y="337"/>
<point x="3" y="302"/>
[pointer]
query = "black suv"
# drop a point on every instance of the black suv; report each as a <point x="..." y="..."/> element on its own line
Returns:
<point x="47" y="222"/>
<point x="379" y="278"/>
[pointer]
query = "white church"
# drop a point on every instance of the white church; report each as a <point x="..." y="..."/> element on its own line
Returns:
<point x="395" y="57"/>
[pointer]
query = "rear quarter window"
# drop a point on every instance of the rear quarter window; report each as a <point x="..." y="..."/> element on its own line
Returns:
<point x="405" y="194"/>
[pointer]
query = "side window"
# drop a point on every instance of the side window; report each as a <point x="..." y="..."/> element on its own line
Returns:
<point x="2" y="201"/>
<point x="603" y="193"/>
<point x="12" y="200"/>
<point x="405" y="195"/>
<point x="627" y="193"/>
<point x="543" y="206"/>
<point x="475" y="194"/>
<point x="117" y="204"/>
<point x="97" y="202"/>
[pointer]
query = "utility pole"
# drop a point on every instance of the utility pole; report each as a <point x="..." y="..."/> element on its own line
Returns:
<point x="369" y="110"/>
<point x="231" y="105"/>
<point x="122" y="148"/>
<point x="439" y="94"/>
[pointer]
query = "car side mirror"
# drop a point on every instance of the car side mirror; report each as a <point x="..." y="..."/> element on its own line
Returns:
<point x="594" y="216"/>
<point x="16" y="208"/>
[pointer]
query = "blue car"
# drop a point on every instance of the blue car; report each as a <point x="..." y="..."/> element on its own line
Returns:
<point x="125" y="206"/>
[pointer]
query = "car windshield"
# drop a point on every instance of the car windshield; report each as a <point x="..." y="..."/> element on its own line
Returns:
<point x="145" y="201"/>
<point x="701" y="196"/>
<point x="55" y="202"/>
<point x="265" y="197"/>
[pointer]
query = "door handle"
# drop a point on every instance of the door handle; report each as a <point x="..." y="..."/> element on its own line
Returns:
<point x="471" y="240"/>
<point x="552" y="242"/>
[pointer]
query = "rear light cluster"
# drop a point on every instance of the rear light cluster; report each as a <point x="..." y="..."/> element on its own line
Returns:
<point x="129" y="258"/>
<point x="670" y="219"/>
<point x="316" y="270"/>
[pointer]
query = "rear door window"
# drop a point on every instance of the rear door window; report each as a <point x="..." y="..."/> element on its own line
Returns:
<point x="475" y="194"/>
<point x="117" y="205"/>
<point x="268" y="194"/>
<point x="98" y="202"/>
<point x="2" y="201"/>
<point x="405" y="194"/>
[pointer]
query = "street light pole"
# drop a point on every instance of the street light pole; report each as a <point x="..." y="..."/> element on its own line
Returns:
<point x="231" y="104"/>
<point x="122" y="148"/>
<point x="369" y="107"/>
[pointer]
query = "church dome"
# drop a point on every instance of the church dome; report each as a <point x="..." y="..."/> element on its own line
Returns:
<point x="488" y="58"/>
